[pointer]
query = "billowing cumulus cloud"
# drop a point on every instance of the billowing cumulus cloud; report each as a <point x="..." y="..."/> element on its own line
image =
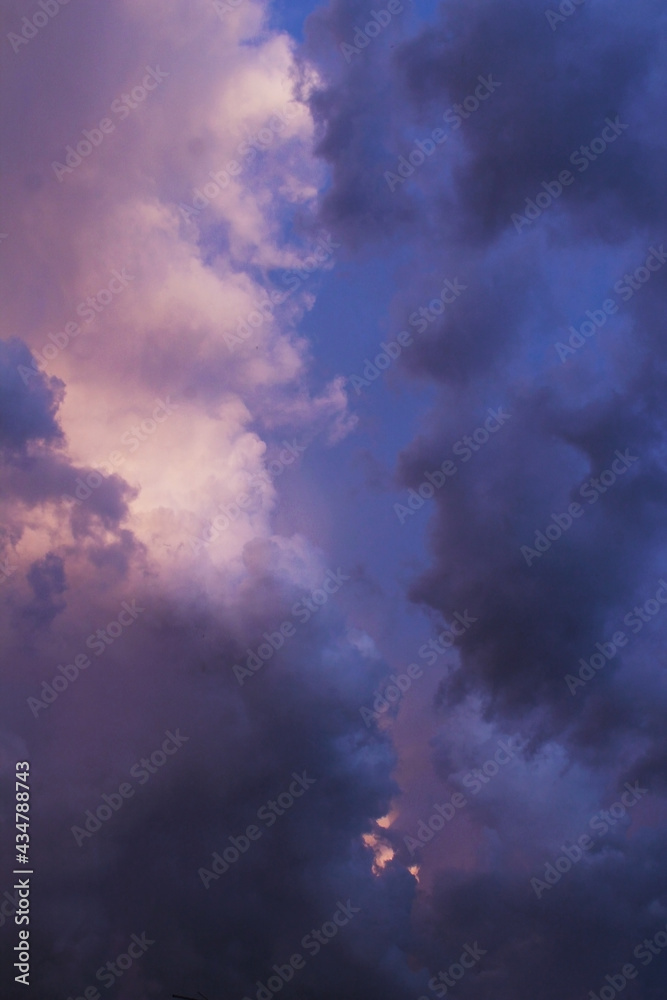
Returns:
<point x="163" y="251"/>
<point x="188" y="651"/>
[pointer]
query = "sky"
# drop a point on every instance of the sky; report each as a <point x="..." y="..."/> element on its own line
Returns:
<point x="333" y="475"/>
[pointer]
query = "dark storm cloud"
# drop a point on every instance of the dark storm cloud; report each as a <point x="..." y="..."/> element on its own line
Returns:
<point x="497" y="342"/>
<point x="583" y="928"/>
<point x="537" y="620"/>
<point x="570" y="415"/>
<point x="298" y="715"/>
<point x="556" y="90"/>
<point x="355" y="119"/>
<point x="47" y="476"/>
<point x="27" y="406"/>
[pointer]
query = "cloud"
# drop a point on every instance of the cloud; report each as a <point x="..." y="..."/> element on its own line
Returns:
<point x="496" y="346"/>
<point x="141" y="425"/>
<point x="144" y="424"/>
<point x="27" y="405"/>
